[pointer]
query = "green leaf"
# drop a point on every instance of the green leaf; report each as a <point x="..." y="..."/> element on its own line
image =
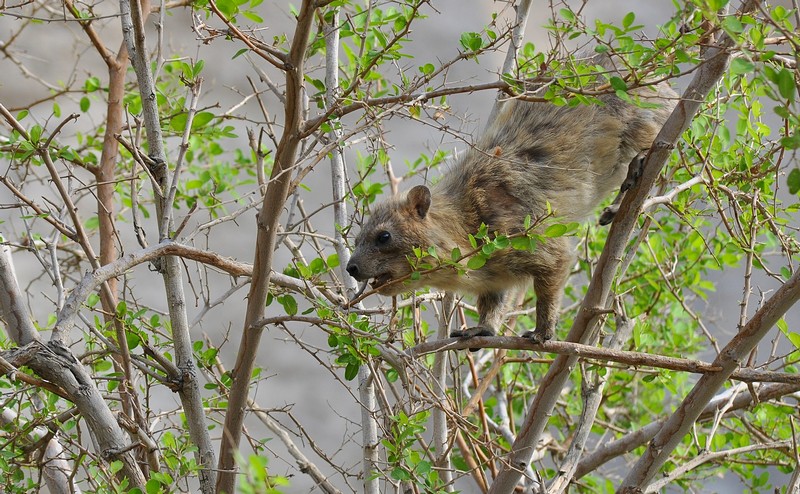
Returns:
<point x="317" y="265"/>
<point x="476" y="262"/>
<point x="198" y="67"/>
<point x="786" y="84"/>
<point x="793" y="181"/>
<point x="91" y="223"/>
<point x="426" y="69"/>
<point x="567" y="14"/>
<point x="91" y="85"/>
<point x="202" y="119"/>
<point x="85" y="103"/>
<point x="153" y="486"/>
<point x="791" y="142"/>
<point x="733" y="25"/>
<point x="351" y="371"/>
<point x="332" y="261"/>
<point x="133" y="340"/>
<point x="253" y="16"/>
<point x="521" y="243"/>
<point x="790" y="335"/>
<point x="289" y="304"/>
<point x="471" y="41"/>
<point x="741" y="65"/>
<point x="455" y="254"/>
<point x="35" y="133"/>
<point x="556" y="230"/>
<point x="618" y="83"/>
<point x="178" y="122"/>
<point x="628" y="20"/>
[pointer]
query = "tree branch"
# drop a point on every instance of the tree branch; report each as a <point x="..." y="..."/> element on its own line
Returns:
<point x="578" y="350"/>
<point x="267" y="223"/>
<point x="133" y="18"/>
<point x="692" y="406"/>
<point x="714" y="65"/>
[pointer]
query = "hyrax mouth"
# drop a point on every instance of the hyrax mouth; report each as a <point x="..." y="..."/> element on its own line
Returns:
<point x="381" y="280"/>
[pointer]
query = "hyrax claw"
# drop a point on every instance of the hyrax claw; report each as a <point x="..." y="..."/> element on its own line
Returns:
<point x="471" y="333"/>
<point x="538" y="337"/>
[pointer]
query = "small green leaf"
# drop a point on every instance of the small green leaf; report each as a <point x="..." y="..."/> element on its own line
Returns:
<point x="455" y="254"/>
<point x="786" y="83"/>
<point x="793" y="337"/>
<point x="91" y="85"/>
<point x="317" y="265"/>
<point x="618" y="83"/>
<point x="426" y="69"/>
<point x="733" y="25"/>
<point x="476" y="262"/>
<point x="91" y="223"/>
<point x="153" y="486"/>
<point x="133" y="340"/>
<point x="351" y="371"/>
<point x="628" y="20"/>
<point x="556" y="230"/>
<point x="793" y="181"/>
<point x="202" y="119"/>
<point x="35" y="133"/>
<point x="198" y="67"/>
<point x="332" y="261"/>
<point x="501" y="242"/>
<point x="741" y="65"/>
<point x="289" y="304"/>
<point x="253" y="16"/>
<point x="791" y="142"/>
<point x="471" y="41"/>
<point x="521" y="243"/>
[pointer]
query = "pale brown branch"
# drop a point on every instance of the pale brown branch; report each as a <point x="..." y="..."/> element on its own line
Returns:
<point x="271" y="55"/>
<point x="267" y="223"/>
<point x="635" y="439"/>
<point x="578" y="350"/>
<point x="692" y="406"/>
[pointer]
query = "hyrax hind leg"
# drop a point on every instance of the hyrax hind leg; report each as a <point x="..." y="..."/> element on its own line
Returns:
<point x="548" y="283"/>
<point x="635" y="169"/>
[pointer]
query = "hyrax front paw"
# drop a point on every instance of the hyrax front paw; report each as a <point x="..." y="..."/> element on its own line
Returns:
<point x="472" y="332"/>
<point x="538" y="336"/>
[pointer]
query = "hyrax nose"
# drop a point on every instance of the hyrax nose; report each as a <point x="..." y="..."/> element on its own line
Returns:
<point x="352" y="269"/>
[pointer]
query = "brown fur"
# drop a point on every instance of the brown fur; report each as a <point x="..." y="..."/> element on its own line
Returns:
<point x="533" y="154"/>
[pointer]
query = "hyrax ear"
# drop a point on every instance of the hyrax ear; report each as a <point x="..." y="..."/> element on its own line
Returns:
<point x="419" y="200"/>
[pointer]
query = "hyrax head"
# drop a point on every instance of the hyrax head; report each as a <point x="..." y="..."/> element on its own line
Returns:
<point x="387" y="241"/>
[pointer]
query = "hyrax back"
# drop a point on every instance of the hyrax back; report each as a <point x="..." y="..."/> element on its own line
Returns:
<point x="532" y="155"/>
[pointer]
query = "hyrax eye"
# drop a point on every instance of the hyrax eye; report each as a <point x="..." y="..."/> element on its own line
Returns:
<point x="383" y="238"/>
